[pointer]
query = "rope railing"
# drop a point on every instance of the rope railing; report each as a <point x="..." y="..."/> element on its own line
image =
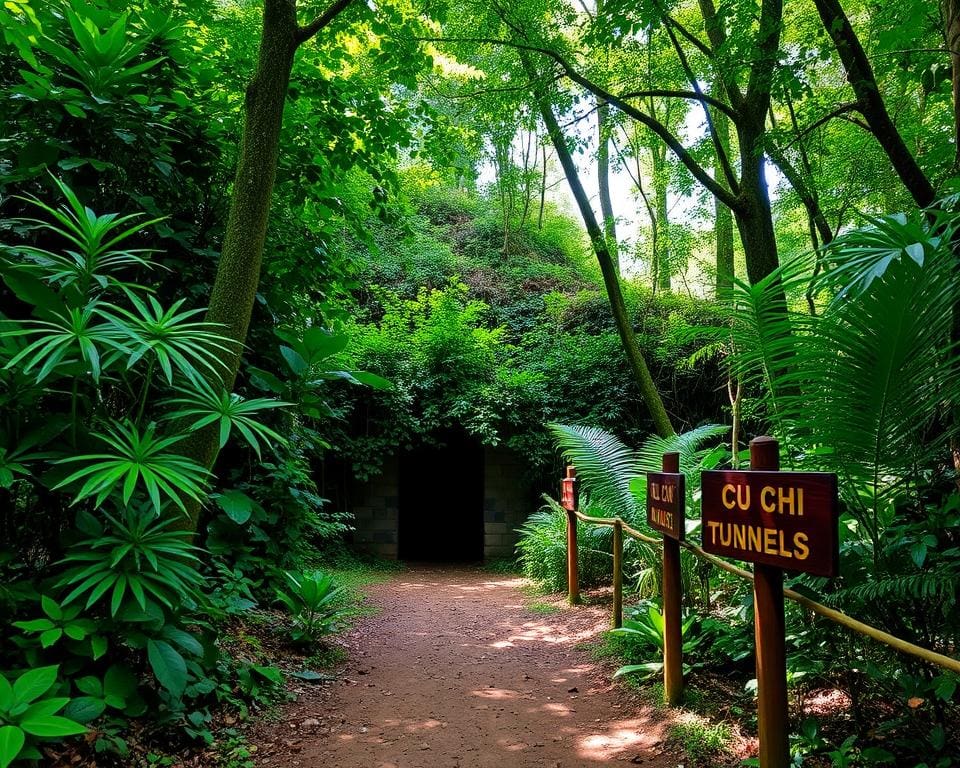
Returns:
<point x="838" y="617"/>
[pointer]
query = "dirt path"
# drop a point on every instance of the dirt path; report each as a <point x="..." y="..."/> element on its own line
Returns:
<point x="456" y="671"/>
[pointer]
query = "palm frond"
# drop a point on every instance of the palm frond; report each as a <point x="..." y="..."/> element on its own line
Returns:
<point x="763" y="336"/>
<point x="687" y="444"/>
<point x="604" y="465"/>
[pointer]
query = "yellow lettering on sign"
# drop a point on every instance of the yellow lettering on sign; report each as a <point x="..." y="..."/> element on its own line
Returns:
<point x="768" y="506"/>
<point x="723" y="496"/>
<point x="801" y="550"/>
<point x="757" y="538"/>
<point x="712" y="526"/>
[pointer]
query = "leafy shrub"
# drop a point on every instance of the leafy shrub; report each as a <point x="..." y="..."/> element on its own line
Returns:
<point x="642" y="634"/>
<point x="28" y="715"/>
<point x="123" y="380"/>
<point x="542" y="549"/>
<point x="313" y="600"/>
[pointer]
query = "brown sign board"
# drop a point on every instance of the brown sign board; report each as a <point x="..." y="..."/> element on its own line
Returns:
<point x="783" y="519"/>
<point x="666" y="501"/>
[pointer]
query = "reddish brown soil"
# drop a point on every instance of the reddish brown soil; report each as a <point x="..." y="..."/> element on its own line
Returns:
<point x="455" y="670"/>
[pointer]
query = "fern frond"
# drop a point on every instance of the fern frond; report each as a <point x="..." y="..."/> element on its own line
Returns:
<point x="688" y="445"/>
<point x="604" y="465"/>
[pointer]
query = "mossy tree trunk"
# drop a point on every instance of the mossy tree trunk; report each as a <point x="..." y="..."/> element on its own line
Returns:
<point x="723" y="221"/>
<point x="603" y="180"/>
<point x="238" y="271"/>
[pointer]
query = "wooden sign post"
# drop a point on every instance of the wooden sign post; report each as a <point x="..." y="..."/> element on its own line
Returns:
<point x="776" y="520"/>
<point x="569" y="500"/>
<point x="666" y="502"/>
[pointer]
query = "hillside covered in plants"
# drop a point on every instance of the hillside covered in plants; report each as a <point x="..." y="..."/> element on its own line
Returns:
<point x="261" y="260"/>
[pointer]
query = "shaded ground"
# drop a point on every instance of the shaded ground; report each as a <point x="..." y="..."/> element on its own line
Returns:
<point x="456" y="671"/>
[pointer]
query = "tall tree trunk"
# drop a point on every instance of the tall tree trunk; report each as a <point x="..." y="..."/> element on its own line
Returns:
<point x="238" y="271"/>
<point x="754" y="216"/>
<point x="871" y="103"/>
<point x="662" y="250"/>
<point x="603" y="180"/>
<point x="723" y="217"/>
<point x="543" y="189"/>
<point x="528" y="153"/>
<point x="611" y="280"/>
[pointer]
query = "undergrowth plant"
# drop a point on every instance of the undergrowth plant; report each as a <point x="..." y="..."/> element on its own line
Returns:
<point x="124" y="379"/>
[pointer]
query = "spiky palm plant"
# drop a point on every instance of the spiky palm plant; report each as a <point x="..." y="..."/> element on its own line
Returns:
<point x="864" y="389"/>
<point x="612" y="477"/>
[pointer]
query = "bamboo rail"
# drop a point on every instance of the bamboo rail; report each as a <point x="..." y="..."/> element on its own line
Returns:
<point x="838" y="617"/>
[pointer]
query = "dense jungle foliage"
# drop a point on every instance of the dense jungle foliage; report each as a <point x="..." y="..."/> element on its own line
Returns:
<point x="243" y="242"/>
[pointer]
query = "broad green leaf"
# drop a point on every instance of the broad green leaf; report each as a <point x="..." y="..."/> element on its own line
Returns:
<point x="12" y="740"/>
<point x="34" y="683"/>
<point x="85" y="709"/>
<point x="51" y="726"/>
<point x="237" y="505"/>
<point x="372" y="380"/>
<point x="168" y="666"/>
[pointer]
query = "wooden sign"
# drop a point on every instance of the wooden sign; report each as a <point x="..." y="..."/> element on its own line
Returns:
<point x="783" y="519"/>
<point x="666" y="501"/>
<point x="569" y="498"/>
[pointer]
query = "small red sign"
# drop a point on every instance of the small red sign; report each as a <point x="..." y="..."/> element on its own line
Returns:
<point x="666" y="502"/>
<point x="784" y="519"/>
<point x="569" y="497"/>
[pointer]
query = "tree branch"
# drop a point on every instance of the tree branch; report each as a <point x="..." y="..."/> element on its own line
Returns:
<point x="872" y="106"/>
<point x="304" y="33"/>
<point x="718" y="37"/>
<point x="658" y="128"/>
<point x="850" y="106"/>
<point x="687" y="95"/>
<point x="688" y="35"/>
<point x="721" y="151"/>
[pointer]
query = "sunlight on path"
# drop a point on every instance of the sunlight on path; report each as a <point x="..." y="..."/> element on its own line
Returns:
<point x="455" y="671"/>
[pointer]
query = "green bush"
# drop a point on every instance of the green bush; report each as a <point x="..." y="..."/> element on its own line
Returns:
<point x="542" y="549"/>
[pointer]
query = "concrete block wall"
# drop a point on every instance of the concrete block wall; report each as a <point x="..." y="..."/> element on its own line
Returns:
<point x="506" y="501"/>
<point x="376" y="511"/>
<point x="506" y="506"/>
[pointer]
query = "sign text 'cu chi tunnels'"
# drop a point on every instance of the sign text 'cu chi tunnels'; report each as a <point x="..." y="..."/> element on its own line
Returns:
<point x="783" y="519"/>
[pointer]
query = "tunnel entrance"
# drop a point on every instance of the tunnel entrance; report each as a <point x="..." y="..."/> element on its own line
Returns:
<point x="441" y="500"/>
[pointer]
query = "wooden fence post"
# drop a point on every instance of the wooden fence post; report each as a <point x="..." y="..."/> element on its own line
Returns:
<point x="672" y="622"/>
<point x="570" y="503"/>
<point x="618" y="573"/>
<point x="769" y="633"/>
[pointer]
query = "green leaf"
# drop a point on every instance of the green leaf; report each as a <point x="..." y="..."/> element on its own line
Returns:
<point x="168" y="666"/>
<point x="119" y="682"/>
<point x="44" y="707"/>
<point x="51" y="607"/>
<point x="98" y="646"/>
<point x="297" y="364"/>
<point x="12" y="740"/>
<point x="34" y="625"/>
<point x="52" y="726"/>
<point x="50" y="637"/>
<point x="372" y="380"/>
<point x="90" y="685"/>
<point x="236" y="504"/>
<point x="34" y="683"/>
<point x="650" y="668"/>
<point x="918" y="553"/>
<point x="85" y="709"/>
